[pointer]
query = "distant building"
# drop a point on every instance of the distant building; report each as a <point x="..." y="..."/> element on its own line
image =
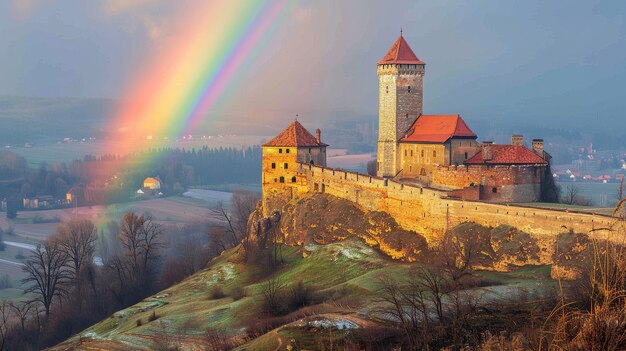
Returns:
<point x="152" y="183"/>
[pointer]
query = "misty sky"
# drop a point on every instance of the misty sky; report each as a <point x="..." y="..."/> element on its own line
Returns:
<point x="519" y="61"/>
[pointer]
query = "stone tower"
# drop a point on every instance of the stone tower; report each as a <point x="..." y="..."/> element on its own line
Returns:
<point x="400" y="75"/>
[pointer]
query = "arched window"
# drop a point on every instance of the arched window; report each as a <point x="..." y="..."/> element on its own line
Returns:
<point x="293" y="179"/>
<point x="282" y="179"/>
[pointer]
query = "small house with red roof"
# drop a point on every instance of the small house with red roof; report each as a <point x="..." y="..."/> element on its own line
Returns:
<point x="295" y="144"/>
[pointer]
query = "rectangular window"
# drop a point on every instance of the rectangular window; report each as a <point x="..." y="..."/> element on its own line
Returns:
<point x="286" y="150"/>
<point x="494" y="190"/>
<point x="273" y="165"/>
<point x="280" y="151"/>
<point x="405" y="153"/>
<point x="466" y="155"/>
<point x="286" y="165"/>
<point x="422" y="152"/>
<point x="434" y="153"/>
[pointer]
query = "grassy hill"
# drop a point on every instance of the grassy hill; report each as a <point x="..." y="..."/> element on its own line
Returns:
<point x="225" y="301"/>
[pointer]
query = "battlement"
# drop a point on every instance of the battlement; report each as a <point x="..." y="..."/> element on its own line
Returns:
<point x="431" y="212"/>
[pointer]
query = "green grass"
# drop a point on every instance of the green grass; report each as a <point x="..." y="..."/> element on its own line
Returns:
<point x="187" y="308"/>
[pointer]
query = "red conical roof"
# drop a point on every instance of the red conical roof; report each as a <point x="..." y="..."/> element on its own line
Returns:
<point x="401" y="53"/>
<point x="294" y="135"/>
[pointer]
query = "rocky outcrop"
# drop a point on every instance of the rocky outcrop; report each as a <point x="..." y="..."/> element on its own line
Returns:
<point x="324" y="219"/>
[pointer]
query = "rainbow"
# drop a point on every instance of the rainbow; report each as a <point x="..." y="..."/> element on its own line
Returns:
<point x="199" y="64"/>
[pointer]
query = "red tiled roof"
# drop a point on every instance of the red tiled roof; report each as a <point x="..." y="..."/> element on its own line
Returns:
<point x="508" y="155"/>
<point x="438" y="129"/>
<point x="294" y="135"/>
<point x="400" y="53"/>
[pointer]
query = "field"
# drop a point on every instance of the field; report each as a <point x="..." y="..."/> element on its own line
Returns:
<point x="601" y="194"/>
<point x="192" y="206"/>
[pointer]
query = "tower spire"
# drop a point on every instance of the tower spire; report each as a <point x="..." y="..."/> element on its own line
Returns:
<point x="400" y="31"/>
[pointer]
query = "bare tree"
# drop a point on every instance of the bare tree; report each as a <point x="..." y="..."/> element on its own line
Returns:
<point x="571" y="193"/>
<point x="4" y="324"/>
<point x="21" y="311"/>
<point x="371" y="167"/>
<point x="47" y="274"/>
<point x="77" y="239"/>
<point x="234" y="221"/>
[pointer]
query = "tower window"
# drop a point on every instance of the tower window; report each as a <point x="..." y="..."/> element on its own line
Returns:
<point x="280" y="151"/>
<point x="293" y="179"/>
<point x="286" y="165"/>
<point x="282" y="179"/>
<point x="273" y="165"/>
<point x="409" y="89"/>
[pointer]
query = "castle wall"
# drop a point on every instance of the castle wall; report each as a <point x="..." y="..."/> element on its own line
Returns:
<point x="419" y="159"/>
<point x="462" y="150"/>
<point x="315" y="155"/>
<point x="430" y="212"/>
<point x="497" y="183"/>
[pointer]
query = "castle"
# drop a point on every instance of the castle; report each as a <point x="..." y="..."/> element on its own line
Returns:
<point x="431" y="173"/>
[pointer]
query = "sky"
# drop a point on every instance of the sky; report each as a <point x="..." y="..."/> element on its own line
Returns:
<point x="553" y="62"/>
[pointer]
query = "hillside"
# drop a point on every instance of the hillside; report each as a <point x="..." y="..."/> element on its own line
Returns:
<point x="344" y="273"/>
<point x="340" y="279"/>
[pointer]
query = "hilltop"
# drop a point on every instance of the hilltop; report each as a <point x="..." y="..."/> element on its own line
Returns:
<point x="329" y="281"/>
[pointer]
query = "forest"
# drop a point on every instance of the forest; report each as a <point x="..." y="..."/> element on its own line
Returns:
<point x="113" y="178"/>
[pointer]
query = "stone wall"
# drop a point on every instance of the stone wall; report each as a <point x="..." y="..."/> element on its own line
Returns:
<point x="431" y="212"/>
<point x="497" y="183"/>
<point x="400" y="89"/>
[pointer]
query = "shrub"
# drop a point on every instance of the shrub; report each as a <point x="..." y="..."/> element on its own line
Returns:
<point x="138" y="322"/>
<point x="300" y="296"/>
<point x="153" y="317"/>
<point x="238" y="293"/>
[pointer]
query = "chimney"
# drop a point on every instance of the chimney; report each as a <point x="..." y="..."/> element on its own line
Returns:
<point x="538" y="147"/>
<point x="487" y="151"/>
<point x="517" y="140"/>
<point x="318" y="136"/>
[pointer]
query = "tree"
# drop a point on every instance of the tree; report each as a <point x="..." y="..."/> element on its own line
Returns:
<point x="141" y="239"/>
<point x="77" y="239"/>
<point x="371" y="167"/>
<point x="235" y="221"/>
<point x="571" y="193"/>
<point x="4" y="324"/>
<point x="47" y="274"/>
